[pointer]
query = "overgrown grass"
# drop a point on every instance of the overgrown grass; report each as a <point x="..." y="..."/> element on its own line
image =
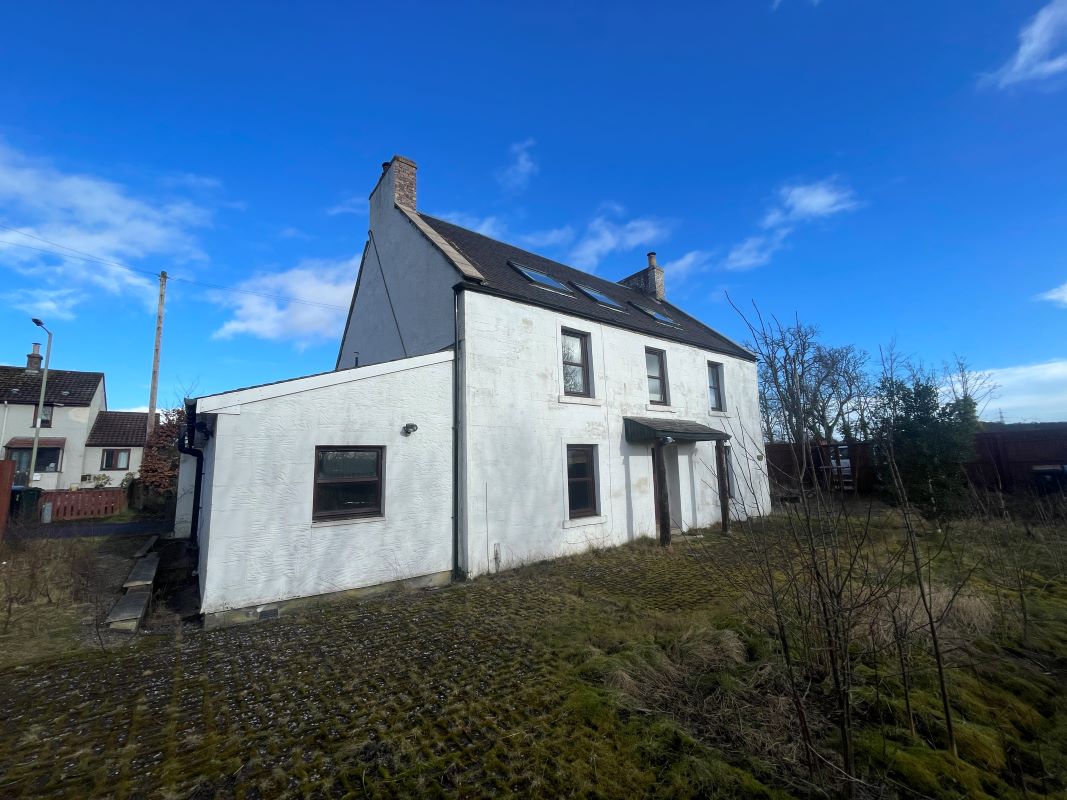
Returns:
<point x="623" y="673"/>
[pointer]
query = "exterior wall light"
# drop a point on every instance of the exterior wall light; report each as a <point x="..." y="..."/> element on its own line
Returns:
<point x="409" y="429"/>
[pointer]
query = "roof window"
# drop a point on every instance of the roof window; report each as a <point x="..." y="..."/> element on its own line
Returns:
<point x="598" y="297"/>
<point x="541" y="280"/>
<point x="659" y="316"/>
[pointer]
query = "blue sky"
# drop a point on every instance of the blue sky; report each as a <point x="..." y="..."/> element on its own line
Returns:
<point x="883" y="170"/>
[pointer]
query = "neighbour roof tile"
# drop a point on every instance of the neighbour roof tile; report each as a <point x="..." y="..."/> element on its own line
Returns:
<point x="494" y="260"/>
<point x="119" y="429"/>
<point x="65" y="387"/>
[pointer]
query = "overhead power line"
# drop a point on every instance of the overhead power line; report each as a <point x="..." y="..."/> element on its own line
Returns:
<point x="83" y="256"/>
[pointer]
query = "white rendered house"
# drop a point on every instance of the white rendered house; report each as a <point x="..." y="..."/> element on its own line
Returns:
<point x="79" y="439"/>
<point x="489" y="407"/>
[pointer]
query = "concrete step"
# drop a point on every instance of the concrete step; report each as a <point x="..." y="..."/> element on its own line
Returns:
<point x="129" y="610"/>
<point x="143" y="572"/>
<point x="143" y="551"/>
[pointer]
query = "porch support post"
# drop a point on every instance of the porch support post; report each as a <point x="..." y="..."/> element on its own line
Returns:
<point x="724" y="486"/>
<point x="663" y="507"/>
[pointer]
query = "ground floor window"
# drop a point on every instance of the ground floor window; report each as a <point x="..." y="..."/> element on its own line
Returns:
<point x="115" y="459"/>
<point x="349" y="482"/>
<point x="581" y="480"/>
<point x="730" y="489"/>
<point x="48" y="459"/>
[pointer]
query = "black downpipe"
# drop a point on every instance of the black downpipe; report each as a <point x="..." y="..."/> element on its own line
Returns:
<point x="456" y="571"/>
<point x="185" y="446"/>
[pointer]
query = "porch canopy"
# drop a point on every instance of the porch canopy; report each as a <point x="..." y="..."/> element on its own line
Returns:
<point x="649" y="429"/>
<point x="20" y="442"/>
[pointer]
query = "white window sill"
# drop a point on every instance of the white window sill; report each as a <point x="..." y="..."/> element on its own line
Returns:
<point x="582" y="401"/>
<point x="714" y="413"/>
<point x="330" y="523"/>
<point x="664" y="409"/>
<point x="582" y="521"/>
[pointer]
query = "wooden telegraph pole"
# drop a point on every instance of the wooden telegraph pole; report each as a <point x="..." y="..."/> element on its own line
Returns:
<point x="155" y="354"/>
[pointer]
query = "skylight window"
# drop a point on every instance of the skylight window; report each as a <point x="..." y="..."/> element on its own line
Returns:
<point x="599" y="297"/>
<point x="659" y="316"/>
<point x="541" y="279"/>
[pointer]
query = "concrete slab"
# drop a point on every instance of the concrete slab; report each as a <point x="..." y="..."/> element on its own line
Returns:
<point x="129" y="610"/>
<point x="143" y="572"/>
<point x="144" y="548"/>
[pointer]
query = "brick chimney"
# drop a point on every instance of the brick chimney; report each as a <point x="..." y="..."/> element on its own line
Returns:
<point x="397" y="182"/>
<point x="33" y="360"/>
<point x="649" y="280"/>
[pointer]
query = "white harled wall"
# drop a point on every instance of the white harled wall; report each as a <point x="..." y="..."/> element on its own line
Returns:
<point x="258" y="543"/>
<point x="517" y="424"/>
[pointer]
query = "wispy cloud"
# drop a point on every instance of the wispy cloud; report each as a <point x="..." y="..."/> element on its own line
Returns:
<point x="1042" y="51"/>
<point x="1030" y="392"/>
<point x="776" y="3"/>
<point x="92" y="215"/>
<point x="693" y="262"/>
<point x="350" y="205"/>
<point x="606" y="234"/>
<point x="516" y="176"/>
<point x="1057" y="295"/>
<point x="552" y="237"/>
<point x="190" y="180"/>
<point x="796" y="204"/>
<point x="487" y="226"/>
<point x="292" y="233"/>
<point x="320" y="282"/>
<point x="801" y="202"/>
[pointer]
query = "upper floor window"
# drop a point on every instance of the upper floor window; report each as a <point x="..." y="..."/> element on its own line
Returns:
<point x="577" y="376"/>
<point x="715" y="388"/>
<point x="46" y="416"/>
<point x="656" y="368"/>
<point x="349" y="482"/>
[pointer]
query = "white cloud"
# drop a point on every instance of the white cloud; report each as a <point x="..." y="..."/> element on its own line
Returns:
<point x="691" y="263"/>
<point x="800" y="202"/>
<point x="516" y="176"/>
<point x="605" y="236"/>
<point x="140" y="409"/>
<point x="755" y="251"/>
<point x="190" y="180"/>
<point x="1031" y="392"/>
<point x="350" y="205"/>
<point x="92" y="215"/>
<point x="292" y="233"/>
<point x="797" y="203"/>
<point x="553" y="237"/>
<point x="45" y="303"/>
<point x="1057" y="295"/>
<point x="1042" y="52"/>
<point x="320" y="283"/>
<point x="487" y="226"/>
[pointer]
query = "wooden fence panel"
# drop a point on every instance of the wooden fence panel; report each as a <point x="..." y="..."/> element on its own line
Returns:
<point x="84" y="503"/>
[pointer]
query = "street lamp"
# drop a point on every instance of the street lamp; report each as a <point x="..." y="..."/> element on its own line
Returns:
<point x="40" y="400"/>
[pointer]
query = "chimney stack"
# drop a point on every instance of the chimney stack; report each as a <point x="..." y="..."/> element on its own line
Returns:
<point x="648" y="281"/>
<point x="33" y="360"/>
<point x="403" y="181"/>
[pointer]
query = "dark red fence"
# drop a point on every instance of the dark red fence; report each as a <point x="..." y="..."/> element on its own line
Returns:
<point x="84" y="503"/>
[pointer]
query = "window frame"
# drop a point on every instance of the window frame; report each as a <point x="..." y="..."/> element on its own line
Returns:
<point x="718" y="369"/>
<point x="9" y="453"/>
<point x="586" y="365"/>
<point x="103" y="459"/>
<point x="379" y="480"/>
<point x="594" y="509"/>
<point x="46" y="419"/>
<point x="661" y="355"/>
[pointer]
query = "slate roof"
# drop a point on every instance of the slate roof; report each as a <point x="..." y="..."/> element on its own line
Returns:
<point x="119" y="429"/>
<point x="65" y="387"/>
<point x="490" y="257"/>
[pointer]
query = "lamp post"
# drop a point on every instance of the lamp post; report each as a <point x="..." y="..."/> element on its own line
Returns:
<point x="40" y="400"/>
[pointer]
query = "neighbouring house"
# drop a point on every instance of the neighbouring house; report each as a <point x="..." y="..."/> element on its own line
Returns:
<point x="79" y="438"/>
<point x="489" y="407"/>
